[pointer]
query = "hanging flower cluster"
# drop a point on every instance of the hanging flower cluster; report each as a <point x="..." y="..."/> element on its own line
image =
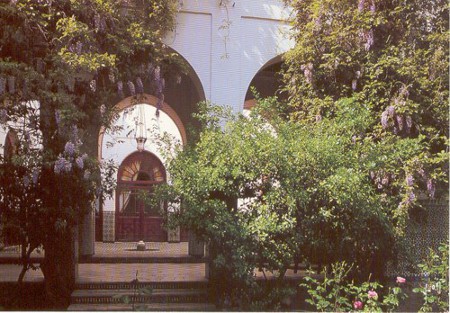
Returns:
<point x="381" y="178"/>
<point x="71" y="156"/>
<point x="308" y="71"/>
<point x="397" y="122"/>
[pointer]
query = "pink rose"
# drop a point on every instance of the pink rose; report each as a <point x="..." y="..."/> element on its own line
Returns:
<point x="372" y="294"/>
<point x="400" y="280"/>
<point x="357" y="305"/>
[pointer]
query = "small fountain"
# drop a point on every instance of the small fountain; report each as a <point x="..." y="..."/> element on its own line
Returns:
<point x="140" y="246"/>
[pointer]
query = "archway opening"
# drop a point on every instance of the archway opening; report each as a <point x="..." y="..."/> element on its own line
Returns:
<point x="137" y="218"/>
<point x="268" y="82"/>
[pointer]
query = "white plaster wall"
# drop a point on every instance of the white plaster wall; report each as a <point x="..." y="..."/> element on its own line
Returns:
<point x="226" y="60"/>
<point x="118" y="145"/>
<point x="3" y="133"/>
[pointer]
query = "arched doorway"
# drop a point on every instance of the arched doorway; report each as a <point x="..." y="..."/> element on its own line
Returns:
<point x="136" y="217"/>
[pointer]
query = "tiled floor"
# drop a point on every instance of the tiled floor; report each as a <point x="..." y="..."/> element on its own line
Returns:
<point x="128" y="249"/>
<point x="88" y="273"/>
<point x="121" y="249"/>
<point x="124" y="272"/>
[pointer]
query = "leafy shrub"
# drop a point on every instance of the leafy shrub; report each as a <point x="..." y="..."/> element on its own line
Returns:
<point x="434" y="285"/>
<point x="336" y="293"/>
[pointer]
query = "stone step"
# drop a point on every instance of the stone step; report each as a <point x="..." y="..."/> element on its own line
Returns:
<point x="166" y="307"/>
<point x="143" y="259"/>
<point x="156" y="296"/>
<point x="154" y="285"/>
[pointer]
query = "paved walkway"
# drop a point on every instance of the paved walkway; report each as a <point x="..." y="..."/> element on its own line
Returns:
<point x="124" y="272"/>
<point x="127" y="272"/>
<point x="120" y="249"/>
<point x="153" y="249"/>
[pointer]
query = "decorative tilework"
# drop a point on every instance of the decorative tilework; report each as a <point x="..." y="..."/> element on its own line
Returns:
<point x="173" y="235"/>
<point x="109" y="231"/>
<point x="429" y="232"/>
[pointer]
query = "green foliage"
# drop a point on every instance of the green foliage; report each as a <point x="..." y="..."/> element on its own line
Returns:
<point x="131" y="299"/>
<point x="434" y="285"/>
<point x="389" y="55"/>
<point x="266" y="193"/>
<point x="60" y="67"/>
<point x="332" y="291"/>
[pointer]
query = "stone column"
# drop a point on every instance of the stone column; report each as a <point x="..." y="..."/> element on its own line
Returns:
<point x="109" y="220"/>
<point x="207" y="266"/>
<point x="196" y="247"/>
<point x="76" y="253"/>
<point x="109" y="223"/>
<point x="87" y="234"/>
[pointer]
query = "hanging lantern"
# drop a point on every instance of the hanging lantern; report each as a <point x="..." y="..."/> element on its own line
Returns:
<point x="141" y="129"/>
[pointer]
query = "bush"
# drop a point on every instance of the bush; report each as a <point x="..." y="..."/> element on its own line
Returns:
<point x="336" y="293"/>
<point x="434" y="284"/>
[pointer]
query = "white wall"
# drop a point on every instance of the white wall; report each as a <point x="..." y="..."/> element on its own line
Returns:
<point x="120" y="144"/>
<point x="3" y="133"/>
<point x="258" y="32"/>
<point x="225" y="60"/>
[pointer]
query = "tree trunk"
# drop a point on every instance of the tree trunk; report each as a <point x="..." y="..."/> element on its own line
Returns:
<point x="60" y="267"/>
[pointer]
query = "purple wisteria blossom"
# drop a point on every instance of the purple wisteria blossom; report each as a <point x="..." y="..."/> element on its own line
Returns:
<point x="409" y="180"/>
<point x="422" y="173"/>
<point x="131" y="88"/>
<point x="80" y="162"/>
<point x="40" y="65"/>
<point x="431" y="187"/>
<point x="93" y="85"/>
<point x="385" y="119"/>
<point x="87" y="174"/>
<point x="60" y="165"/>
<point x="97" y="20"/>
<point x="318" y="118"/>
<point x="102" y="110"/>
<point x="391" y="110"/>
<point x="354" y="84"/>
<point x="318" y="22"/>
<point x="411" y="198"/>
<point x="69" y="148"/>
<point x="400" y="123"/>
<point x="57" y="117"/>
<point x="139" y="85"/>
<point x="112" y="77"/>
<point x="369" y="40"/>
<point x="67" y="166"/>
<point x="35" y="176"/>
<point x="79" y="47"/>
<point x="404" y="92"/>
<point x="120" y="89"/>
<point x="157" y="73"/>
<point x="26" y="181"/>
<point x="3" y="116"/>
<point x="372" y="7"/>
<point x="361" y="5"/>
<point x="409" y="123"/>
<point x="385" y="180"/>
<point x="308" y="72"/>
